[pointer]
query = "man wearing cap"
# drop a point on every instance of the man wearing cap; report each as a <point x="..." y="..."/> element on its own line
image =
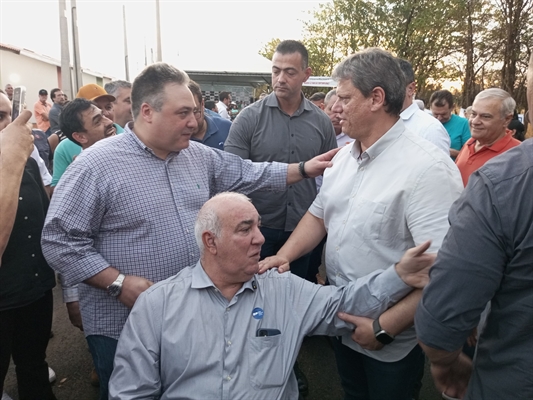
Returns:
<point x="67" y="150"/>
<point x="41" y="110"/>
<point x="123" y="215"/>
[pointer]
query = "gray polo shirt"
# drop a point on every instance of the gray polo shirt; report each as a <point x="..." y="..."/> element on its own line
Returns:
<point x="263" y="132"/>
<point x="53" y="116"/>
<point x="487" y="256"/>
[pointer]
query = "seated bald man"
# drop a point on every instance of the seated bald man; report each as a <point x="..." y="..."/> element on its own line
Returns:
<point x="220" y="330"/>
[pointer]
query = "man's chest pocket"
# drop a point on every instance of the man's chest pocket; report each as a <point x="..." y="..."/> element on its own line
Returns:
<point x="368" y="220"/>
<point x="267" y="361"/>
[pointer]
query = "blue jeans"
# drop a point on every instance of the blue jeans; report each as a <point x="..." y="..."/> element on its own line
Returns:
<point x="103" y="350"/>
<point x="274" y="240"/>
<point x="364" y="378"/>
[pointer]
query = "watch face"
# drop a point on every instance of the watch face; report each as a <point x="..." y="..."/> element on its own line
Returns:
<point x="114" y="289"/>
<point x="384" y="337"/>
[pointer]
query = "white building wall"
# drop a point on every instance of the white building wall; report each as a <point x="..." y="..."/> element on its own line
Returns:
<point x="37" y="72"/>
<point x="19" y="70"/>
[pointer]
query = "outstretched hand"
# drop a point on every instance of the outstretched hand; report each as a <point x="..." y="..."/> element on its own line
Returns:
<point x="281" y="263"/>
<point x="414" y="266"/>
<point x="316" y="166"/>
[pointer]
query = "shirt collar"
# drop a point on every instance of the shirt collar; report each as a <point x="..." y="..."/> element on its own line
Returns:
<point x="382" y="143"/>
<point x="200" y="280"/>
<point x="498" y="145"/>
<point x="212" y="127"/>
<point x="305" y="105"/>
<point x="409" y="111"/>
<point x="130" y="134"/>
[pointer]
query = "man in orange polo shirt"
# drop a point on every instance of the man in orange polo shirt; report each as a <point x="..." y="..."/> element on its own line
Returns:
<point x="491" y="112"/>
<point x="41" y="110"/>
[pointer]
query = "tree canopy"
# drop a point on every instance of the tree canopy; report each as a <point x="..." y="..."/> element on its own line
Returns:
<point x="479" y="43"/>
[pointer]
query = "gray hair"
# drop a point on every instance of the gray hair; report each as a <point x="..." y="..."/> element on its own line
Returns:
<point x="149" y="86"/>
<point x="329" y="95"/>
<point x="373" y="68"/>
<point x="507" y="104"/>
<point x="208" y="219"/>
<point x="420" y="104"/>
<point x="113" y="87"/>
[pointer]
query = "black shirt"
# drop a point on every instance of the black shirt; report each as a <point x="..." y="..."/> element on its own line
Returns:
<point x="24" y="274"/>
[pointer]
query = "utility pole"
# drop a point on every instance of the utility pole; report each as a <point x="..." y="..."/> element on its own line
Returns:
<point x="78" y="82"/>
<point x="158" y="28"/>
<point x="126" y="58"/>
<point x="66" y="76"/>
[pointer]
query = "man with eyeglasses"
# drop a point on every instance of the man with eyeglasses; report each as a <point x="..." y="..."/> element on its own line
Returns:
<point x="211" y="131"/>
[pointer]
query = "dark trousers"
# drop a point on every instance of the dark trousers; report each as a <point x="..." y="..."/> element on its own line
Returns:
<point x="24" y="335"/>
<point x="274" y="240"/>
<point x="364" y="378"/>
<point x="103" y="350"/>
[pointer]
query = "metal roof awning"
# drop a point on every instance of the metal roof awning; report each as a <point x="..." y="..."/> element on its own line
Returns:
<point x="253" y="79"/>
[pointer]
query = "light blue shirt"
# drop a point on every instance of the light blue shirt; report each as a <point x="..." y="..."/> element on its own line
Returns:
<point x="184" y="340"/>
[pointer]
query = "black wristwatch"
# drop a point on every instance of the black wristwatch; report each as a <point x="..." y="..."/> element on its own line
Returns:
<point x="381" y="334"/>
<point x="115" y="288"/>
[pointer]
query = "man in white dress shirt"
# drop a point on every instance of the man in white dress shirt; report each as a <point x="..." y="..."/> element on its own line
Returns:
<point x="416" y="120"/>
<point x="386" y="192"/>
<point x="224" y="100"/>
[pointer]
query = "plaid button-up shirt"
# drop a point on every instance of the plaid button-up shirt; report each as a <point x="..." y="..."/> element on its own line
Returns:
<point x="119" y="205"/>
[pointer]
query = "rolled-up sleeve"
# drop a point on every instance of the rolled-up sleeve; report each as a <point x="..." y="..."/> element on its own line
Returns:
<point x="468" y="269"/>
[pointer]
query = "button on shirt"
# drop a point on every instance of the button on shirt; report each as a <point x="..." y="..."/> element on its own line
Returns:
<point x="263" y="132"/>
<point x="487" y="256"/>
<point x="184" y="340"/>
<point x="119" y="205"/>
<point x="379" y="203"/>
<point x="426" y="126"/>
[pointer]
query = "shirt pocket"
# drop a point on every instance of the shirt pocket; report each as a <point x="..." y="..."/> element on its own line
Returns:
<point x="267" y="362"/>
<point x="367" y="221"/>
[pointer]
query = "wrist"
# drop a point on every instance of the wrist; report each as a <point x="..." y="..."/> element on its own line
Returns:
<point x="301" y="170"/>
<point x="381" y="334"/>
<point x="115" y="288"/>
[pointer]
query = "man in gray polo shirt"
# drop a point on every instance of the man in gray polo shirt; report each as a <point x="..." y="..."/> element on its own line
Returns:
<point x="284" y="127"/>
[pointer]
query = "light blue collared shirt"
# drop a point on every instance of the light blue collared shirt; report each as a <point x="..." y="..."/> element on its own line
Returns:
<point x="184" y="340"/>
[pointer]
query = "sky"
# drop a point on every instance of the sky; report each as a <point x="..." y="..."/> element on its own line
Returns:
<point x="201" y="35"/>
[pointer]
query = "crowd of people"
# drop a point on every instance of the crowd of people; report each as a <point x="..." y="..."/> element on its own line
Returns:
<point x="188" y="243"/>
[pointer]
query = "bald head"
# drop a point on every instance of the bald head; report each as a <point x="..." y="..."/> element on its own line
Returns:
<point x="211" y="213"/>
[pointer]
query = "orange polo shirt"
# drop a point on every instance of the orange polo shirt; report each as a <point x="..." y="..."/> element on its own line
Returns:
<point x="38" y="109"/>
<point x="469" y="160"/>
